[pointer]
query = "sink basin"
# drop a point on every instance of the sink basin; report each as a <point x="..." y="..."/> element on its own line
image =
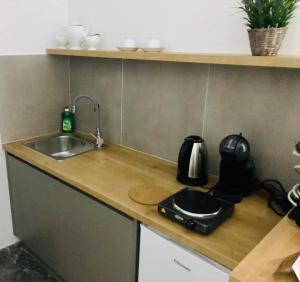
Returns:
<point x="61" y="147"/>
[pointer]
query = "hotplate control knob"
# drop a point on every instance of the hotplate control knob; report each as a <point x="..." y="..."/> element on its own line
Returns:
<point x="190" y="224"/>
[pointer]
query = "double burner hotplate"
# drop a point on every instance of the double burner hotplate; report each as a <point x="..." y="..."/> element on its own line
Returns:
<point x="196" y="210"/>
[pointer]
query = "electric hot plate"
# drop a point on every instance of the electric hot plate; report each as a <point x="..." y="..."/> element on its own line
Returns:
<point x="196" y="210"/>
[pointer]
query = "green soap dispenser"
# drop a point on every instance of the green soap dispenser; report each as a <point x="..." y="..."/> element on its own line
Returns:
<point x="67" y="124"/>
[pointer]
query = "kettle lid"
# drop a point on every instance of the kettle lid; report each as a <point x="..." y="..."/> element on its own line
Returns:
<point x="194" y="139"/>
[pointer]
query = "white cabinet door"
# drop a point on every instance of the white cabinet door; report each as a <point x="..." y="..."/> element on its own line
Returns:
<point x="163" y="260"/>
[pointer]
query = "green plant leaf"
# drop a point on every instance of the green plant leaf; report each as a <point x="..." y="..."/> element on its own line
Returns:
<point x="268" y="13"/>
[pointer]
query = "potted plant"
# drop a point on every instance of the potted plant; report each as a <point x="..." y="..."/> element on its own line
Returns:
<point x="267" y="21"/>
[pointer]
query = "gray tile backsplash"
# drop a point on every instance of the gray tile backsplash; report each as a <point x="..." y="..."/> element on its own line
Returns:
<point x="102" y="79"/>
<point x="152" y="106"/>
<point x="263" y="104"/>
<point x="162" y="103"/>
<point x="33" y="90"/>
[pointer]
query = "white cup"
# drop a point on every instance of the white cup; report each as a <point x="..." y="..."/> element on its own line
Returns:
<point x="128" y="43"/>
<point x="153" y="43"/>
<point x="61" y="41"/>
<point x="92" y="41"/>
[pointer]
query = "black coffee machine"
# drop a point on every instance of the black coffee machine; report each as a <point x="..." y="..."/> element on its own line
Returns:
<point x="237" y="177"/>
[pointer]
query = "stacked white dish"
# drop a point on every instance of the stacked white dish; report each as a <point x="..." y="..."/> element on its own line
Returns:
<point x="152" y="45"/>
<point x="128" y="44"/>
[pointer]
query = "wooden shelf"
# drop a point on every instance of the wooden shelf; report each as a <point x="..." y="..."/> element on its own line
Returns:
<point x="219" y="59"/>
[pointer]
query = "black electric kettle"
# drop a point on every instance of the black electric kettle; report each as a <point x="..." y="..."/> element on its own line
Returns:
<point x="192" y="162"/>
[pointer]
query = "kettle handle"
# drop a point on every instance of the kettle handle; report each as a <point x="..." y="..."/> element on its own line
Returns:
<point x="185" y="150"/>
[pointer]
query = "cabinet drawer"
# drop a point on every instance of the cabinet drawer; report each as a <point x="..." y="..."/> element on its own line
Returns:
<point x="161" y="259"/>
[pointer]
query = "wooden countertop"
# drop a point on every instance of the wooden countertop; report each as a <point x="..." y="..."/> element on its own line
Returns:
<point x="109" y="173"/>
<point x="263" y="260"/>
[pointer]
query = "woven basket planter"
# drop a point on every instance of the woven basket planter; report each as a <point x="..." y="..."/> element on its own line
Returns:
<point x="266" y="41"/>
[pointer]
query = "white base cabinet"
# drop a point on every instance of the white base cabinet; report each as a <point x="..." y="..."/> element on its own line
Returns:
<point x="163" y="260"/>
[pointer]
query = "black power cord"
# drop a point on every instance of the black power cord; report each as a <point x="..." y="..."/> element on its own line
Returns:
<point x="274" y="191"/>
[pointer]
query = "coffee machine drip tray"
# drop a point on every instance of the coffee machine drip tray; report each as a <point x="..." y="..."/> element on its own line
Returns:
<point x="196" y="210"/>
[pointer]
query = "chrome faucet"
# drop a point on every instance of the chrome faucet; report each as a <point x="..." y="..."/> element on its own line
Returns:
<point x="97" y="135"/>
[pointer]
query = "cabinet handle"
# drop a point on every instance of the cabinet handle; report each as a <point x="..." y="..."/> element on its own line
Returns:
<point x="181" y="265"/>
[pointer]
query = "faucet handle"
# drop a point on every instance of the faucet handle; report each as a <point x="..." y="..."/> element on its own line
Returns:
<point x="99" y="140"/>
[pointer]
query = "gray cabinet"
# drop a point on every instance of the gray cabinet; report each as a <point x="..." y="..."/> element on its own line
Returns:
<point x="80" y="238"/>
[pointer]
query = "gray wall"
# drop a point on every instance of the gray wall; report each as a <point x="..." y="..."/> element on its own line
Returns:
<point x="152" y="106"/>
<point x="33" y="91"/>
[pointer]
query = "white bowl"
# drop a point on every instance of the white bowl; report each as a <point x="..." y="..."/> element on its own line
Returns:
<point x="153" y="43"/>
<point x="128" y="43"/>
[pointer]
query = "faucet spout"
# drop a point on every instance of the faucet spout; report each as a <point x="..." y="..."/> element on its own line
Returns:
<point x="99" y="140"/>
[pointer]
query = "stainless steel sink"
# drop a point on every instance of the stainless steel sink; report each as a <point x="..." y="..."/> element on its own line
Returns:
<point x="61" y="147"/>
